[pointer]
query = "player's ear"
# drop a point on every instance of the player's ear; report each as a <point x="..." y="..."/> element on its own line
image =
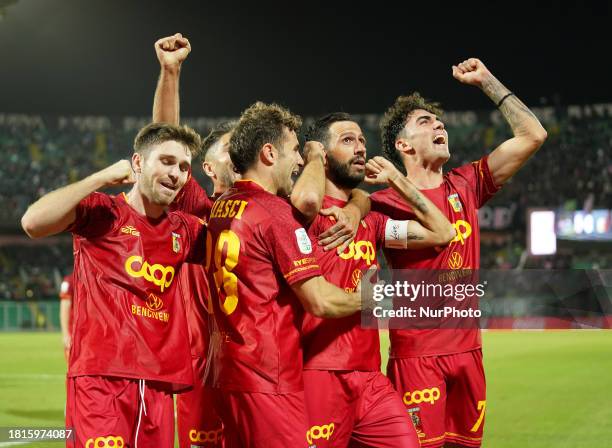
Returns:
<point x="403" y="146"/>
<point x="207" y="168"/>
<point x="137" y="162"/>
<point x="268" y="154"/>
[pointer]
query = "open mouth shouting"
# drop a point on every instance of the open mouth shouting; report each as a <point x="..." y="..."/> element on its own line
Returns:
<point x="439" y="139"/>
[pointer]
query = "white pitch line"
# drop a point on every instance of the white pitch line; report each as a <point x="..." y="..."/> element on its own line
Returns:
<point x="34" y="376"/>
<point x="3" y="444"/>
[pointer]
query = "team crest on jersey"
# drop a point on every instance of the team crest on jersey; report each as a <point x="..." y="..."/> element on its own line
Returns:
<point x="455" y="202"/>
<point x="303" y="241"/>
<point x="176" y="242"/>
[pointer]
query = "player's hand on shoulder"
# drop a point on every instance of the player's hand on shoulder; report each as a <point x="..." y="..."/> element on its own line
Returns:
<point x="343" y="231"/>
<point x="172" y="50"/>
<point x="380" y="171"/>
<point x="119" y="173"/>
<point x="471" y="71"/>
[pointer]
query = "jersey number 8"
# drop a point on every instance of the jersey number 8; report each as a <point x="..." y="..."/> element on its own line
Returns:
<point x="226" y="281"/>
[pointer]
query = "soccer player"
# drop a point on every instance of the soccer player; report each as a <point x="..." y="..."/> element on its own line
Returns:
<point x="130" y="348"/>
<point x="261" y="265"/>
<point x="347" y="396"/>
<point x="439" y="373"/>
<point x="197" y="421"/>
<point x="65" y="312"/>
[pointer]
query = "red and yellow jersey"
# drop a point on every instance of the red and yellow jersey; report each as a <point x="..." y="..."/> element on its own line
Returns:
<point x="256" y="248"/>
<point x="127" y="320"/>
<point x="463" y="191"/>
<point x="342" y="344"/>
<point x="192" y="280"/>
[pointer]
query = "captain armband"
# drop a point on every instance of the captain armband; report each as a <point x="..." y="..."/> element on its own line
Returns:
<point x="396" y="234"/>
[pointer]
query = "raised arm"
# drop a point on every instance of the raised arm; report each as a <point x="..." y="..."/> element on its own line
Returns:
<point x="529" y="134"/>
<point x="309" y="189"/>
<point x="171" y="52"/>
<point x="55" y="211"/>
<point x="431" y="229"/>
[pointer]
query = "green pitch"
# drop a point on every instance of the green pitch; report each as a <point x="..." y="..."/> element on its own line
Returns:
<point x="545" y="389"/>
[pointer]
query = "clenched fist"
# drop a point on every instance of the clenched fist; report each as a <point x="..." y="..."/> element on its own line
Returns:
<point x="472" y="72"/>
<point x="173" y="50"/>
<point x="119" y="173"/>
<point x="312" y="150"/>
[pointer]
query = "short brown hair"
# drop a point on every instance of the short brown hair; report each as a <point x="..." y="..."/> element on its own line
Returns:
<point x="396" y="117"/>
<point x="156" y="133"/>
<point x="215" y="135"/>
<point x="259" y="124"/>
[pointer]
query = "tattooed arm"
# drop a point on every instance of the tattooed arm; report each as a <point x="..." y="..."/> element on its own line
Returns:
<point x="430" y="229"/>
<point x="529" y="134"/>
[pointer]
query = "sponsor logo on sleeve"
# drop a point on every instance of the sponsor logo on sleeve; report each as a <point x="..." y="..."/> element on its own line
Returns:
<point x="303" y="241"/>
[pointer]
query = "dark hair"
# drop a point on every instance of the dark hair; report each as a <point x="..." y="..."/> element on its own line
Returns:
<point x="215" y="134"/>
<point x="319" y="130"/>
<point x="156" y="133"/>
<point x="259" y="124"/>
<point x="396" y="117"/>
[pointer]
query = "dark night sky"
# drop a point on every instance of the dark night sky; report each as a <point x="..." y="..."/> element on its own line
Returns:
<point x="96" y="57"/>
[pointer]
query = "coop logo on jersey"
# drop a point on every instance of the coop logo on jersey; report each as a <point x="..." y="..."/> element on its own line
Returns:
<point x="205" y="436"/>
<point x="319" y="432"/>
<point x="463" y="229"/>
<point x="455" y="202"/>
<point x="303" y="241"/>
<point x="130" y="230"/>
<point x="105" y="442"/>
<point x="157" y="274"/>
<point x="422" y="396"/>
<point x="176" y="242"/>
<point x="360" y="250"/>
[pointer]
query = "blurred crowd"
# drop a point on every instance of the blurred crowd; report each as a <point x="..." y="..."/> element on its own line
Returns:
<point x="33" y="271"/>
<point x="572" y="170"/>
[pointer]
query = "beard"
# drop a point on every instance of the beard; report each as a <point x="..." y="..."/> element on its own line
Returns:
<point x="340" y="173"/>
<point x="227" y="176"/>
<point x="148" y="189"/>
